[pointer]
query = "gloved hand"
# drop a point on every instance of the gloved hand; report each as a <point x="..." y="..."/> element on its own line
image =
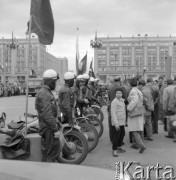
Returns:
<point x="57" y="134"/>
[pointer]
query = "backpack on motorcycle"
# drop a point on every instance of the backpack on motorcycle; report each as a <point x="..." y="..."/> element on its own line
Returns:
<point x="17" y="149"/>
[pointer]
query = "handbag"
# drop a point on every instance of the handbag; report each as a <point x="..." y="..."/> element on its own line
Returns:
<point x="138" y="111"/>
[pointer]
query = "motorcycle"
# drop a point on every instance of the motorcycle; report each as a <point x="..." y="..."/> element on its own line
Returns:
<point x="88" y="130"/>
<point x="91" y="118"/>
<point x="74" y="146"/>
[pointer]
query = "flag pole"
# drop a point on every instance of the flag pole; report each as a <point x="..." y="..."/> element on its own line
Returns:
<point x="27" y="76"/>
<point x="77" y="51"/>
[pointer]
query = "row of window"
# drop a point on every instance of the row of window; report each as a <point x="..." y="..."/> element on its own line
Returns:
<point x="138" y="56"/>
<point x="138" y="62"/>
<point x="129" y="50"/>
<point x="139" y="43"/>
<point x="149" y="68"/>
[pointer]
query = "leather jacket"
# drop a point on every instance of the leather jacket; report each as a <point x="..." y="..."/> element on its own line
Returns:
<point x="46" y="106"/>
<point x="66" y="101"/>
<point x="81" y="94"/>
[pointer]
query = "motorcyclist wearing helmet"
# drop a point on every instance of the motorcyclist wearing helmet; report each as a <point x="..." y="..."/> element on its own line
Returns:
<point x="92" y="88"/>
<point x="83" y="94"/>
<point x="86" y="78"/>
<point x="79" y="81"/>
<point x="46" y="106"/>
<point x="99" y="91"/>
<point x="66" y="98"/>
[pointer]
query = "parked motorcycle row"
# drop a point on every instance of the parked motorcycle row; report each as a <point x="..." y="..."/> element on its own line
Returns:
<point x="75" y="141"/>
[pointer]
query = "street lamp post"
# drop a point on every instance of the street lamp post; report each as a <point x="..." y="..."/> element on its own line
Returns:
<point x="96" y="43"/>
<point x="13" y="46"/>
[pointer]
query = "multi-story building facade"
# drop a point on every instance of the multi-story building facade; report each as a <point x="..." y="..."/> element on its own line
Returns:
<point x="128" y="56"/>
<point x="16" y="59"/>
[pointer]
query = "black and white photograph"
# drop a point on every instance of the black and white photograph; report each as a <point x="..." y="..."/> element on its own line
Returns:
<point x="87" y="89"/>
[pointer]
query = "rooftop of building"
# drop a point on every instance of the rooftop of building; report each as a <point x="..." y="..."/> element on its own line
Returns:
<point x="137" y="38"/>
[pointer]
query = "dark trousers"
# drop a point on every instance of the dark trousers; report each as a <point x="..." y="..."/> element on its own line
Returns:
<point x="155" y="117"/>
<point x="138" y="139"/>
<point x="166" y="124"/>
<point x="110" y="126"/>
<point x="50" y="147"/>
<point x="117" y="137"/>
<point x="131" y="137"/>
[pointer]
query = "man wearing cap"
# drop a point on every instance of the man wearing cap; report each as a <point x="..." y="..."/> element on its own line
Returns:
<point x="111" y="94"/>
<point x="46" y="106"/>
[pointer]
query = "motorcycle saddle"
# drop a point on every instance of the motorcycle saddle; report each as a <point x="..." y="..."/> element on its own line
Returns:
<point x="15" y="125"/>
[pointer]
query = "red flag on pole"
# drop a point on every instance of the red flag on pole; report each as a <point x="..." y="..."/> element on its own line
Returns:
<point x="42" y="21"/>
<point x="91" y="71"/>
<point x="83" y="65"/>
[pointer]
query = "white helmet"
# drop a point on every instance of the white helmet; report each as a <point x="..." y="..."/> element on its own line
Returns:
<point x="86" y="76"/>
<point x="69" y="76"/>
<point x="91" y="79"/>
<point x="50" y="74"/>
<point x="80" y="77"/>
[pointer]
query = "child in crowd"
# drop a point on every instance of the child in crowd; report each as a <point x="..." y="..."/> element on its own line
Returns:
<point x="118" y="120"/>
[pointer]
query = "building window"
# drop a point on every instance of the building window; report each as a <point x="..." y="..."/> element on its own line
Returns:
<point x="114" y="51"/>
<point x="101" y="51"/>
<point x="101" y="63"/>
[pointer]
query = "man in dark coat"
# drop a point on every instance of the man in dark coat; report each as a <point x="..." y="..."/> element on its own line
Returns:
<point x="47" y="109"/>
<point x="66" y="99"/>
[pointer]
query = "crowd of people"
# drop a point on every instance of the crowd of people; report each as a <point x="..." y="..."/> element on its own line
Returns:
<point x="136" y="103"/>
<point x="12" y="89"/>
<point x="139" y="104"/>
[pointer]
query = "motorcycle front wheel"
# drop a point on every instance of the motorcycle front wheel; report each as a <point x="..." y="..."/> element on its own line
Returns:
<point x="92" y="135"/>
<point x="99" y="113"/>
<point x="77" y="151"/>
<point x="93" y="120"/>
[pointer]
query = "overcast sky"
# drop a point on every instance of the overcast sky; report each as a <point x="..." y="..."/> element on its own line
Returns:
<point x="109" y="17"/>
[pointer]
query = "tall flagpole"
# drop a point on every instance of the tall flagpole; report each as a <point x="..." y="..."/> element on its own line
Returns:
<point x="77" y="52"/>
<point x="27" y="74"/>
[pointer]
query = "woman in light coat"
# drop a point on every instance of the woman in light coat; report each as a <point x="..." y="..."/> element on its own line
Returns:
<point x="136" y="124"/>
